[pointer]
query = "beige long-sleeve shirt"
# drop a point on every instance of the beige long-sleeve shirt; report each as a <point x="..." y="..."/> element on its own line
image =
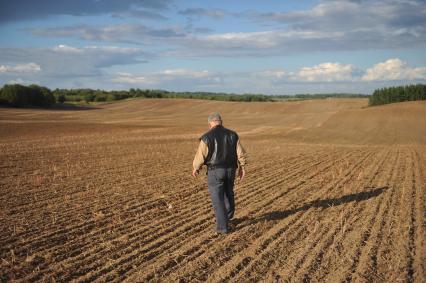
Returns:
<point x="203" y="150"/>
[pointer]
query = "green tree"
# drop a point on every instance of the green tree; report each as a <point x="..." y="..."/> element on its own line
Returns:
<point x="89" y="97"/>
<point x="398" y="94"/>
<point x="62" y="98"/>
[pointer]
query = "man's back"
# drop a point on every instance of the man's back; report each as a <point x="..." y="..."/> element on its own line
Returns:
<point x="222" y="147"/>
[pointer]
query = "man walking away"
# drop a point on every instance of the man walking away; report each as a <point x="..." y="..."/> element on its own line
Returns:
<point x="221" y="151"/>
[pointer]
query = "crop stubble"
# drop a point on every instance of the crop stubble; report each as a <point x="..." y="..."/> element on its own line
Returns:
<point x="120" y="205"/>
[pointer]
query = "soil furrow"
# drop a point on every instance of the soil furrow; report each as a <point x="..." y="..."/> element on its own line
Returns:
<point x="151" y="232"/>
<point x="311" y="249"/>
<point x="274" y="235"/>
<point x="260" y="208"/>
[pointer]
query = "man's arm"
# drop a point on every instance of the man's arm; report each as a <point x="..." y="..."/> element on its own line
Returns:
<point x="242" y="160"/>
<point x="241" y="154"/>
<point x="199" y="158"/>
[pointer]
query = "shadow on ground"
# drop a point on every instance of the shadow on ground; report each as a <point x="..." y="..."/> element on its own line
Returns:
<point x="321" y="203"/>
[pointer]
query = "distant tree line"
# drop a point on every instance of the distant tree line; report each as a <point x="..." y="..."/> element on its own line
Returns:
<point x="33" y="95"/>
<point x="90" y="95"/>
<point x="397" y="94"/>
<point x="321" y="96"/>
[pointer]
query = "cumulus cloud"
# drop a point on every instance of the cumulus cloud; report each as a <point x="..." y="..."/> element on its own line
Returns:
<point x="328" y="26"/>
<point x="347" y="14"/>
<point x="264" y="42"/>
<point x="264" y="39"/>
<point x="67" y="49"/>
<point x="88" y="60"/>
<point x="326" y="72"/>
<point x="277" y="74"/>
<point x="393" y="70"/>
<point x="20" y="68"/>
<point x="185" y="73"/>
<point x="22" y="81"/>
<point x="127" y="78"/>
<point x="170" y="77"/>
<point x="62" y="48"/>
<point x="321" y="73"/>
<point x="67" y="66"/>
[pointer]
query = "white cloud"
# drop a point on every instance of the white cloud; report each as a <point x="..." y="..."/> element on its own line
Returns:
<point x="22" y="82"/>
<point x="88" y="66"/>
<point x="66" y="66"/>
<point x="20" y="68"/>
<point x="327" y="26"/>
<point x="277" y="74"/>
<point x="277" y="39"/>
<point x="127" y="78"/>
<point x="393" y="70"/>
<point x="239" y="39"/>
<point x="172" y="73"/>
<point x="352" y="15"/>
<point x="66" y="49"/>
<point x="169" y="77"/>
<point x="68" y="61"/>
<point x="94" y="49"/>
<point x="16" y="81"/>
<point x="326" y="72"/>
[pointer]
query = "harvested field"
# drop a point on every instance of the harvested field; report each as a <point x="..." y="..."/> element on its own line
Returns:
<point x="334" y="192"/>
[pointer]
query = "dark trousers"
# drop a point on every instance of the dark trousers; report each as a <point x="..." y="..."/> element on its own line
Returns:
<point x="221" y="188"/>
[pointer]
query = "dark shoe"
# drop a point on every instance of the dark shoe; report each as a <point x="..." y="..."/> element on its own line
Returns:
<point x="221" y="232"/>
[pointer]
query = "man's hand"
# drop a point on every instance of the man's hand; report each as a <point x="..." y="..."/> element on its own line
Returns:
<point x="195" y="172"/>
<point x="241" y="173"/>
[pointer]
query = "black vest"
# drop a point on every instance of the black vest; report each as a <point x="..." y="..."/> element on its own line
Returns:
<point x="222" y="145"/>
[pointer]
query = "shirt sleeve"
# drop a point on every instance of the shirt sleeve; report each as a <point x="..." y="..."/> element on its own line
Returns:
<point x="200" y="155"/>
<point x="241" y="154"/>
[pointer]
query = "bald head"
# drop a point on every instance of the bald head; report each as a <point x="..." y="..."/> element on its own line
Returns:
<point x="214" y="119"/>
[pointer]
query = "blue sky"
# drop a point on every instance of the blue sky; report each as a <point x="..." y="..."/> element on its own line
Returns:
<point x="271" y="47"/>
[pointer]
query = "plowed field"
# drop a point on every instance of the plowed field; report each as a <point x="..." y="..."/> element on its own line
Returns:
<point x="334" y="192"/>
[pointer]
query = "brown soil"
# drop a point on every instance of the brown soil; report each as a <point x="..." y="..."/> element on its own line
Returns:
<point x="335" y="191"/>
